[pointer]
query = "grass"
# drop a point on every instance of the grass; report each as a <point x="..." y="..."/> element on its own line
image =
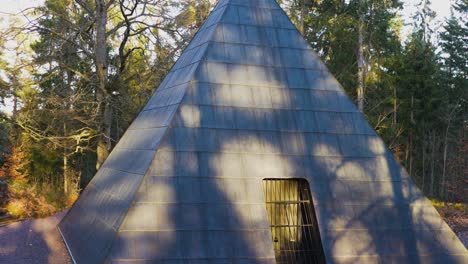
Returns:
<point x="462" y="207"/>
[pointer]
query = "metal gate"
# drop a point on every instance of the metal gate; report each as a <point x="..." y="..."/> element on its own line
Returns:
<point x="294" y="230"/>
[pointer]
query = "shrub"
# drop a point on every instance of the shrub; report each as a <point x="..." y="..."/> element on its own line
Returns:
<point x="17" y="208"/>
<point x="26" y="202"/>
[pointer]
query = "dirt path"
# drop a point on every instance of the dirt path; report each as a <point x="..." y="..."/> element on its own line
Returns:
<point x="39" y="242"/>
<point x="464" y="238"/>
<point x="34" y="241"/>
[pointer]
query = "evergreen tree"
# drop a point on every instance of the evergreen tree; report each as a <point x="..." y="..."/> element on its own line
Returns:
<point x="420" y="98"/>
<point x="354" y="38"/>
<point x="64" y="108"/>
<point x="454" y="45"/>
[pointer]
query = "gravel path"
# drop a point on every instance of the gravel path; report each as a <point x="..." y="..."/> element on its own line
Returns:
<point x="39" y="242"/>
<point x="35" y="241"/>
<point x="463" y="237"/>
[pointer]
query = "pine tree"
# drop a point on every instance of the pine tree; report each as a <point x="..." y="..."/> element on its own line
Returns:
<point x="354" y="38"/>
<point x="420" y="98"/>
<point x="454" y="44"/>
<point x="15" y="163"/>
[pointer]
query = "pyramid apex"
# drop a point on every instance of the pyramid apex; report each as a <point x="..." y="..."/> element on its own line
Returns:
<point x="251" y="3"/>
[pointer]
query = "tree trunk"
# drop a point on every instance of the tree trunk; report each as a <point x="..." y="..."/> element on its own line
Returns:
<point x="102" y="96"/>
<point x="442" y="189"/>
<point x="410" y="147"/>
<point x="423" y="152"/>
<point x="360" y="60"/>
<point x="433" y="163"/>
<point x="66" y="178"/>
<point x="302" y="22"/>
<point x="411" y="155"/>
<point x="15" y="106"/>
<point x="15" y="97"/>
<point x="395" y="106"/>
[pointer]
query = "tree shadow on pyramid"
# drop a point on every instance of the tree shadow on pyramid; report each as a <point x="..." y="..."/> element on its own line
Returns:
<point x="246" y="103"/>
<point x="202" y="199"/>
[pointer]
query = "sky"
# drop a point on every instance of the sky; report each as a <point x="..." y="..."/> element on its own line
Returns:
<point x="442" y="7"/>
<point x="15" y="6"/>
<point x="7" y="7"/>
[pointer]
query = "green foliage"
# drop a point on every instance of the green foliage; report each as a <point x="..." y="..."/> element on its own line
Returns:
<point x="415" y="96"/>
<point x="454" y="44"/>
<point x="57" y="125"/>
<point x="27" y="201"/>
<point x="418" y="81"/>
<point x="331" y="27"/>
<point x="4" y="141"/>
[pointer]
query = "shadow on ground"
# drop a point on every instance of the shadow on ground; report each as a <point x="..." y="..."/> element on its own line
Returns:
<point x="35" y="241"/>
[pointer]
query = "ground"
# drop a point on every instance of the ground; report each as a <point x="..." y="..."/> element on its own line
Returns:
<point x="35" y="241"/>
<point x="39" y="242"/>
<point x="456" y="216"/>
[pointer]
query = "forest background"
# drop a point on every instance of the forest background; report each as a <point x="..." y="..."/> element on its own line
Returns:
<point x="75" y="73"/>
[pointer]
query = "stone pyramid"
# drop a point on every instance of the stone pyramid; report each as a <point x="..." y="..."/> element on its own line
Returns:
<point x="249" y="100"/>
